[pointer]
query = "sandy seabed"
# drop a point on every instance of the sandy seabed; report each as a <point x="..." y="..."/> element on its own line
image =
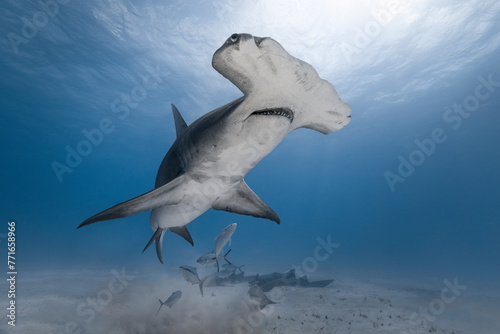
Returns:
<point x="94" y="302"/>
<point x="348" y="306"/>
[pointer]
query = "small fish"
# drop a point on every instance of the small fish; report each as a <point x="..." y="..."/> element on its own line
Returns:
<point x="232" y="267"/>
<point x="225" y="273"/>
<point x="256" y="294"/>
<point x="224" y="236"/>
<point x="174" y="298"/>
<point x="207" y="260"/>
<point x="189" y="274"/>
<point x="210" y="259"/>
<point x="222" y="239"/>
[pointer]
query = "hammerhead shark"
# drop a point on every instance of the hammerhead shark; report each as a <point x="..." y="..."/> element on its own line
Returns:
<point x="206" y="164"/>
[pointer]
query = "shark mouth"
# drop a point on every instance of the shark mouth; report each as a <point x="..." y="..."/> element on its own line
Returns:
<point x="285" y="112"/>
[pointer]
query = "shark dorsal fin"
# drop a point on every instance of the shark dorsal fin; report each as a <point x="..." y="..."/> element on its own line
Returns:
<point x="180" y="123"/>
<point x="242" y="200"/>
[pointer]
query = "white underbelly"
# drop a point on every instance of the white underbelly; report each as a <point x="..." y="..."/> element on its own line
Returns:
<point x="196" y="199"/>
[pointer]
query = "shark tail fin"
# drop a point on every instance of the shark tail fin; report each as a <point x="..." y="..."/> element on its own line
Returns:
<point x="158" y="238"/>
<point x="153" y="238"/>
<point x="158" y="243"/>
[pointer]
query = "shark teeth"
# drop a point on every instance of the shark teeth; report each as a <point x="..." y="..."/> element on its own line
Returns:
<point x="285" y="112"/>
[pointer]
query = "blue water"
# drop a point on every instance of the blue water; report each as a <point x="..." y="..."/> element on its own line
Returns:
<point x="401" y="77"/>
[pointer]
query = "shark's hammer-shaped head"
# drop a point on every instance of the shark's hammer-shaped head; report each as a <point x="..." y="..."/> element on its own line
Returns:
<point x="277" y="84"/>
<point x="206" y="165"/>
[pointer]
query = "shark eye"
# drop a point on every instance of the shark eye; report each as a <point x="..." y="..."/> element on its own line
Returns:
<point x="234" y="38"/>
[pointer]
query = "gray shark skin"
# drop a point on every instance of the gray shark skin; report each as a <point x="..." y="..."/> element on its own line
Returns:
<point x="267" y="282"/>
<point x="206" y="164"/>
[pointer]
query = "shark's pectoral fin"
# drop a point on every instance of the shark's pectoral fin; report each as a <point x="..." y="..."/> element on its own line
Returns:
<point x="244" y="201"/>
<point x="183" y="232"/>
<point x="164" y="195"/>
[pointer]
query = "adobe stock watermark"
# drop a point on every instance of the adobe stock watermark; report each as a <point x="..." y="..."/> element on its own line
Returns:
<point x="30" y="27"/>
<point x="453" y="117"/>
<point x="421" y="320"/>
<point x="93" y="305"/>
<point x="257" y="317"/>
<point x="321" y="253"/>
<point x="382" y="16"/>
<point x="121" y="107"/>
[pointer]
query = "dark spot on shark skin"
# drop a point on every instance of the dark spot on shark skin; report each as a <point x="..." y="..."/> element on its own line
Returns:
<point x="303" y="79"/>
<point x="267" y="59"/>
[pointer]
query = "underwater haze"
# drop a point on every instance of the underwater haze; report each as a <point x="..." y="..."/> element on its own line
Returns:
<point x="401" y="204"/>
